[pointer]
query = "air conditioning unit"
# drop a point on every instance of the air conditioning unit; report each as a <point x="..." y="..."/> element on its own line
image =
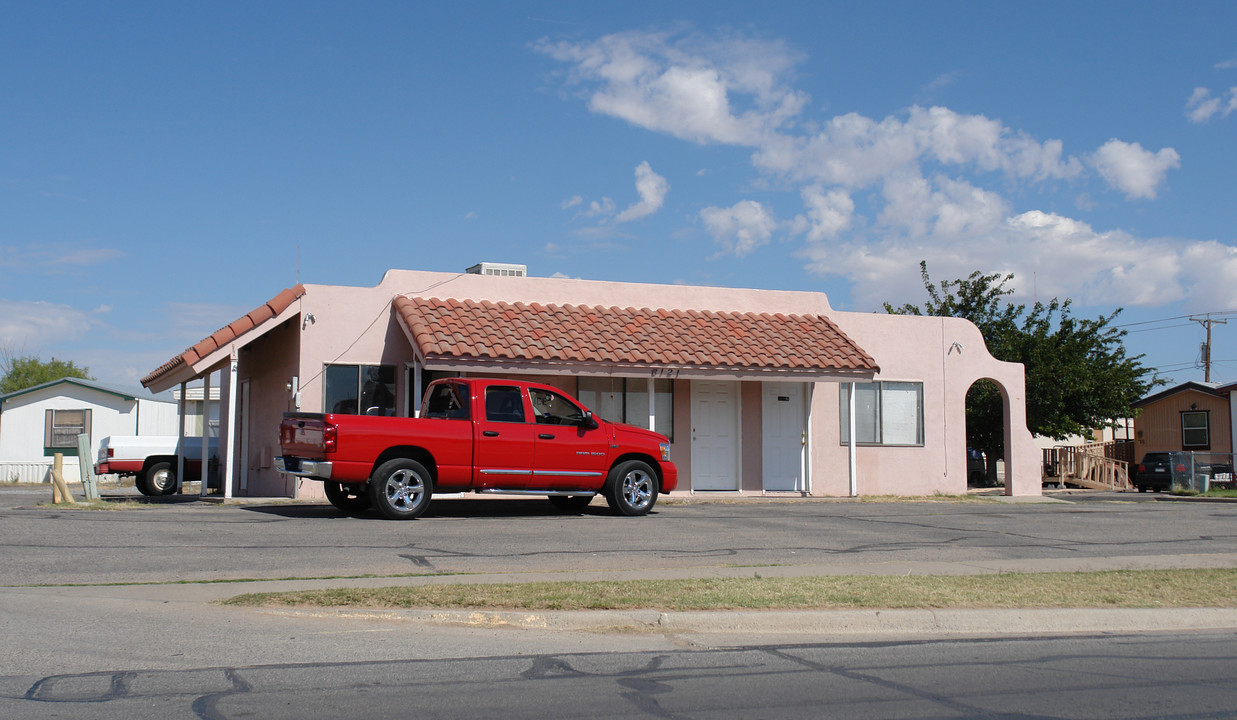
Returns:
<point x="504" y="269"/>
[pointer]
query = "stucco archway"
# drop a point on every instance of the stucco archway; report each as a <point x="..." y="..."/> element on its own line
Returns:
<point x="987" y="432"/>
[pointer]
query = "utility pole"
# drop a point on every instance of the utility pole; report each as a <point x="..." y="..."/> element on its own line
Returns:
<point x="1207" y="322"/>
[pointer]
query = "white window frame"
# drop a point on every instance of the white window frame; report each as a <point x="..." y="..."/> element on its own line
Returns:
<point x="1205" y="428"/>
<point x="885" y="423"/>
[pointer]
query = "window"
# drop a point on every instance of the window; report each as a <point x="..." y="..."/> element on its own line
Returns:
<point x="553" y="409"/>
<point x="61" y="428"/>
<point x="1195" y="429"/>
<point x="504" y="404"/>
<point x="360" y="389"/>
<point x="886" y="413"/>
<point x="626" y="400"/>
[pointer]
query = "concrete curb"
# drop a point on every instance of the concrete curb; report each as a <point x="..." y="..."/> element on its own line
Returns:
<point x="803" y="623"/>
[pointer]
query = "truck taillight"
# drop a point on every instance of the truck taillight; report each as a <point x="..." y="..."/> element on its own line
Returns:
<point x="111" y="452"/>
<point x="330" y="438"/>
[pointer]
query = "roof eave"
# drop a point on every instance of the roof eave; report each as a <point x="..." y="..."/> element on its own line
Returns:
<point x="595" y="369"/>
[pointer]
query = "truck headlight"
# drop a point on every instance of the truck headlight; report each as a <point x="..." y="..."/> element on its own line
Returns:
<point x="665" y="451"/>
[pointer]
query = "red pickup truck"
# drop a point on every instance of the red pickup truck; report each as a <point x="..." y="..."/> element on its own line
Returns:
<point x="478" y="435"/>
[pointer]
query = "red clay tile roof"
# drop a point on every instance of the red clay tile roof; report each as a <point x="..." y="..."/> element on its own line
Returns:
<point x="462" y="329"/>
<point x="230" y="332"/>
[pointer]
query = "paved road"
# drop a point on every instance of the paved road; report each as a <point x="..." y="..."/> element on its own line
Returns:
<point x="77" y="646"/>
<point x="192" y="541"/>
<point x="1168" y="677"/>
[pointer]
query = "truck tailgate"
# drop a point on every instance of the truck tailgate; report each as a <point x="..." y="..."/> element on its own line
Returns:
<point x="300" y="435"/>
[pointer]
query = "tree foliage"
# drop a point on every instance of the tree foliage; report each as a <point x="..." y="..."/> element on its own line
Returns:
<point x="1078" y="376"/>
<point x="21" y="372"/>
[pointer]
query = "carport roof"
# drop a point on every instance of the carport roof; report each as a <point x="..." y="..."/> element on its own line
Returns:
<point x="454" y="331"/>
<point x="270" y="309"/>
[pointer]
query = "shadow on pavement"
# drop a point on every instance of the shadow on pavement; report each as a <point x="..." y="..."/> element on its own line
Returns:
<point x="441" y="508"/>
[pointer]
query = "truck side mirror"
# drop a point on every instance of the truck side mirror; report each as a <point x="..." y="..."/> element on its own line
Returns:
<point x="590" y="422"/>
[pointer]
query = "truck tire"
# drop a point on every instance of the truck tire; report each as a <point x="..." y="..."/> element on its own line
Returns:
<point x="631" y="488"/>
<point x="348" y="497"/>
<point x="158" y="479"/>
<point x="400" y="489"/>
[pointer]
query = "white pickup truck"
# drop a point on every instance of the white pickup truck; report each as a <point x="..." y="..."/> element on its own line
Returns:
<point x="152" y="459"/>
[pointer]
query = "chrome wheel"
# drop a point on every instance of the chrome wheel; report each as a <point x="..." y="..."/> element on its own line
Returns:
<point x="404" y="490"/>
<point x="637" y="489"/>
<point x="400" y="489"/>
<point x="632" y="488"/>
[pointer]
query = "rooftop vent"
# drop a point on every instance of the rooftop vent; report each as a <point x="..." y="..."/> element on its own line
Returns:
<point x="506" y="269"/>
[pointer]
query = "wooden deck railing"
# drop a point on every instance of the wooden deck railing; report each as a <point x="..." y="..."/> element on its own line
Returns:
<point x="1094" y="465"/>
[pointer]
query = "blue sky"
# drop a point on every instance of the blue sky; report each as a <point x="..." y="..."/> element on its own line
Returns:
<point x="166" y="167"/>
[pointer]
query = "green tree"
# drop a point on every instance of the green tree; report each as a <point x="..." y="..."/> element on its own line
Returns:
<point x="21" y="372"/>
<point x="1078" y="377"/>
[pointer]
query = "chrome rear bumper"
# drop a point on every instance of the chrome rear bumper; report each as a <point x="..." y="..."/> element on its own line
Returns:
<point x="304" y="468"/>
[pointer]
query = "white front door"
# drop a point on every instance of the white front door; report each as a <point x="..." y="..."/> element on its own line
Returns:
<point x="784" y="437"/>
<point x="715" y="435"/>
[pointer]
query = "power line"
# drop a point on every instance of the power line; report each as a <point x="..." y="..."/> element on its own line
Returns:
<point x="1166" y="327"/>
<point x="1222" y="313"/>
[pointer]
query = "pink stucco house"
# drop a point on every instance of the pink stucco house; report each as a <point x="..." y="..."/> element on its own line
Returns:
<point x="754" y="387"/>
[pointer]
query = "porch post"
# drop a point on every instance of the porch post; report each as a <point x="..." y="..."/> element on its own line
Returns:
<point x="229" y="458"/>
<point x="808" y="391"/>
<point x="205" y="465"/>
<point x="416" y="389"/>
<point x="850" y="446"/>
<point x="652" y="406"/>
<point x="180" y="438"/>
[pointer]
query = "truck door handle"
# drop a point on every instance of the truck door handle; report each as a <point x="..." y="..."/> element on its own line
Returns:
<point x="490" y="433"/>
<point x="546" y="436"/>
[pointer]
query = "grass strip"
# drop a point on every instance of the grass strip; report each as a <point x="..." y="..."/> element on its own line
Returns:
<point x="1108" y="589"/>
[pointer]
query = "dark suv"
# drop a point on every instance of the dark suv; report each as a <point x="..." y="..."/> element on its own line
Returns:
<point x="1155" y="472"/>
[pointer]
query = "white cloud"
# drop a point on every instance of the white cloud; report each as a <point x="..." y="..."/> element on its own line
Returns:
<point x="572" y="202"/>
<point x="707" y="91"/>
<point x="856" y="151"/>
<point x="879" y="194"/>
<point x="34" y="325"/>
<point x="55" y="257"/>
<point x="1049" y="255"/>
<point x="943" y="208"/>
<point x="1202" y="107"/>
<point x="1133" y="170"/>
<point x="828" y="213"/>
<point x="595" y="208"/>
<point x="652" y="189"/>
<point x="941" y="81"/>
<point x="740" y="229"/>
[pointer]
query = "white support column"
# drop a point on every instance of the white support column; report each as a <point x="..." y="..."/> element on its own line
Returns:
<point x="205" y="465"/>
<point x="652" y="405"/>
<point x="854" y="472"/>
<point x="229" y="458"/>
<point x="808" y="391"/>
<point x="180" y="439"/>
<point x="416" y="389"/>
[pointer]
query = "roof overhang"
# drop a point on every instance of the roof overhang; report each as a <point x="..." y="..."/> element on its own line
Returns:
<point x="504" y="367"/>
<point x="504" y="338"/>
<point x="214" y="350"/>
